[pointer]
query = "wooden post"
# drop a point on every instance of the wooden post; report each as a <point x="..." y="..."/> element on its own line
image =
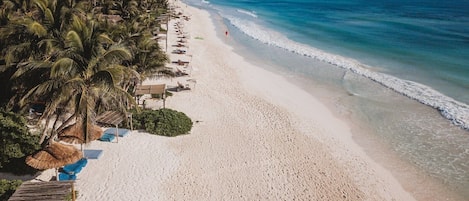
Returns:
<point x="164" y="99"/>
<point x="73" y="192"/>
<point x="117" y="133"/>
<point x="131" y="126"/>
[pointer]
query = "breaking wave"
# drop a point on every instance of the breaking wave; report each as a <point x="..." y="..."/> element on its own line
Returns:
<point x="252" y="14"/>
<point x="457" y="112"/>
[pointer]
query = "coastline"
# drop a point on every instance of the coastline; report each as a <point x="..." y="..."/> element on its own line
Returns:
<point x="258" y="138"/>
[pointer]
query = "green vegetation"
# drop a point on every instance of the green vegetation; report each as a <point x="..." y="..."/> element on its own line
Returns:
<point x="164" y="122"/>
<point x="77" y="57"/>
<point x="70" y="196"/>
<point x="15" y="143"/>
<point x="7" y="188"/>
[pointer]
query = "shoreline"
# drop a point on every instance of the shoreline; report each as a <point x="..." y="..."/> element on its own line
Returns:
<point x="258" y="137"/>
<point x="420" y="181"/>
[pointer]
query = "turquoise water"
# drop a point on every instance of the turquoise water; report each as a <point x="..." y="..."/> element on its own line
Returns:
<point x="398" y="70"/>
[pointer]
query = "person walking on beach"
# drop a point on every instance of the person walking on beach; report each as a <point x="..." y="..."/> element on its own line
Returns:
<point x="226" y="33"/>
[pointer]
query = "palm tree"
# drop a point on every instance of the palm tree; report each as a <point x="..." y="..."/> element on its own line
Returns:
<point x="31" y="40"/>
<point x="57" y="52"/>
<point x="148" y="57"/>
<point x="86" y="77"/>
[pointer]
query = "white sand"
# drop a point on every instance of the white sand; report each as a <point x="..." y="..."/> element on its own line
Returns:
<point x="258" y="138"/>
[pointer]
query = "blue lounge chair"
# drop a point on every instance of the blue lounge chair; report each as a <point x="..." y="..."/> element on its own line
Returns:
<point x="108" y="137"/>
<point x="75" y="168"/>
<point x="92" y="153"/>
<point x="120" y="131"/>
<point x="66" y="177"/>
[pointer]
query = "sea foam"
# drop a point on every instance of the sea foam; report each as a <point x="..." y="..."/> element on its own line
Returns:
<point x="252" y="14"/>
<point x="457" y="112"/>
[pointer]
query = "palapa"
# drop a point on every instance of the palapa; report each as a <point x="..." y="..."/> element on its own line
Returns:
<point x="75" y="134"/>
<point x="53" y="156"/>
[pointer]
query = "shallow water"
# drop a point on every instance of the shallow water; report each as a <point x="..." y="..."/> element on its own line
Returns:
<point x="399" y="133"/>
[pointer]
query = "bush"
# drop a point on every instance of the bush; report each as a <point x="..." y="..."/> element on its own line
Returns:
<point x="164" y="122"/>
<point x="7" y="188"/>
<point x="16" y="141"/>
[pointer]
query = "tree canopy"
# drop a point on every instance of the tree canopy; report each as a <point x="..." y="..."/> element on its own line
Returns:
<point x="73" y="57"/>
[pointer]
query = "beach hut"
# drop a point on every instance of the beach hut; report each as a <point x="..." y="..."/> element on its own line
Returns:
<point x="157" y="89"/>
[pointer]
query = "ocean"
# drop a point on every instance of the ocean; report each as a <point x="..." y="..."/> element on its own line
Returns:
<point x="397" y="70"/>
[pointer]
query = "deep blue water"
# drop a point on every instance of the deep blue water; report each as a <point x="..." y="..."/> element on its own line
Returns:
<point x="417" y="48"/>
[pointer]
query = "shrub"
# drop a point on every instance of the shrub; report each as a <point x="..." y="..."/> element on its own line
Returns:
<point x="7" y="188"/>
<point x="15" y="141"/>
<point x="69" y="197"/>
<point x="166" y="122"/>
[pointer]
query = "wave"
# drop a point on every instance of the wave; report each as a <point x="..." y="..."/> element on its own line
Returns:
<point x="453" y="110"/>
<point x="205" y="1"/>
<point x="252" y="14"/>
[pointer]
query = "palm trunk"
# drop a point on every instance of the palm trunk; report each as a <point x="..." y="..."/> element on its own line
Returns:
<point x="65" y="123"/>
<point x="44" y="131"/>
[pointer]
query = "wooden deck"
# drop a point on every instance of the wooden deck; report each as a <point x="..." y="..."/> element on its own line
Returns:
<point x="43" y="191"/>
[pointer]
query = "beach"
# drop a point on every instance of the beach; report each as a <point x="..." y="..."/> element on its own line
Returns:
<point x="256" y="136"/>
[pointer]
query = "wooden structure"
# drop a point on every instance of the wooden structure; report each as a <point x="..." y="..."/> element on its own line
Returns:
<point x="44" y="191"/>
<point x="158" y="89"/>
<point x="114" y="118"/>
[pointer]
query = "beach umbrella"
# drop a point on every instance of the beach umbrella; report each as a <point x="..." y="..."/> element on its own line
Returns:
<point x="74" y="134"/>
<point x="53" y="156"/>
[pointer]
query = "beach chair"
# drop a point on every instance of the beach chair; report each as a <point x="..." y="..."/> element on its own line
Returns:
<point x="75" y="168"/>
<point x="122" y="132"/>
<point x="107" y="137"/>
<point x="66" y="177"/>
<point x="180" y="73"/>
<point x="182" y="87"/>
<point x="92" y="153"/>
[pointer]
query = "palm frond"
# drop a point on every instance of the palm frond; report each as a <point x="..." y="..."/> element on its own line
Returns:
<point x="73" y="40"/>
<point x="15" y="53"/>
<point x="28" y="67"/>
<point x="116" y="53"/>
<point x="37" y="29"/>
<point x="64" y="67"/>
<point x="105" y="39"/>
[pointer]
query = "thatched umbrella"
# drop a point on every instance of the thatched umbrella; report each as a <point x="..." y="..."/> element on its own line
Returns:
<point x="53" y="156"/>
<point x="75" y="134"/>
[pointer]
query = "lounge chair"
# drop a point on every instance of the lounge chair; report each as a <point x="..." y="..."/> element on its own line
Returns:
<point x="93" y="153"/>
<point x="122" y="132"/>
<point x="180" y="73"/>
<point x="66" y="177"/>
<point x="182" y="87"/>
<point x="108" y="137"/>
<point x="178" y="51"/>
<point x="75" y="168"/>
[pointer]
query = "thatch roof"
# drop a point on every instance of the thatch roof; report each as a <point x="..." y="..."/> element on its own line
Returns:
<point x="53" y="156"/>
<point x="75" y="134"/>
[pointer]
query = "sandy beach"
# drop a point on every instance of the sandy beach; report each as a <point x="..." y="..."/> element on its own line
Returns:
<point x="255" y="137"/>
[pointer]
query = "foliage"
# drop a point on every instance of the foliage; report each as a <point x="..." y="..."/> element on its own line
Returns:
<point x="7" y="188"/>
<point x="15" y="139"/>
<point x="72" y="57"/>
<point x="70" y="196"/>
<point x="166" y="122"/>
